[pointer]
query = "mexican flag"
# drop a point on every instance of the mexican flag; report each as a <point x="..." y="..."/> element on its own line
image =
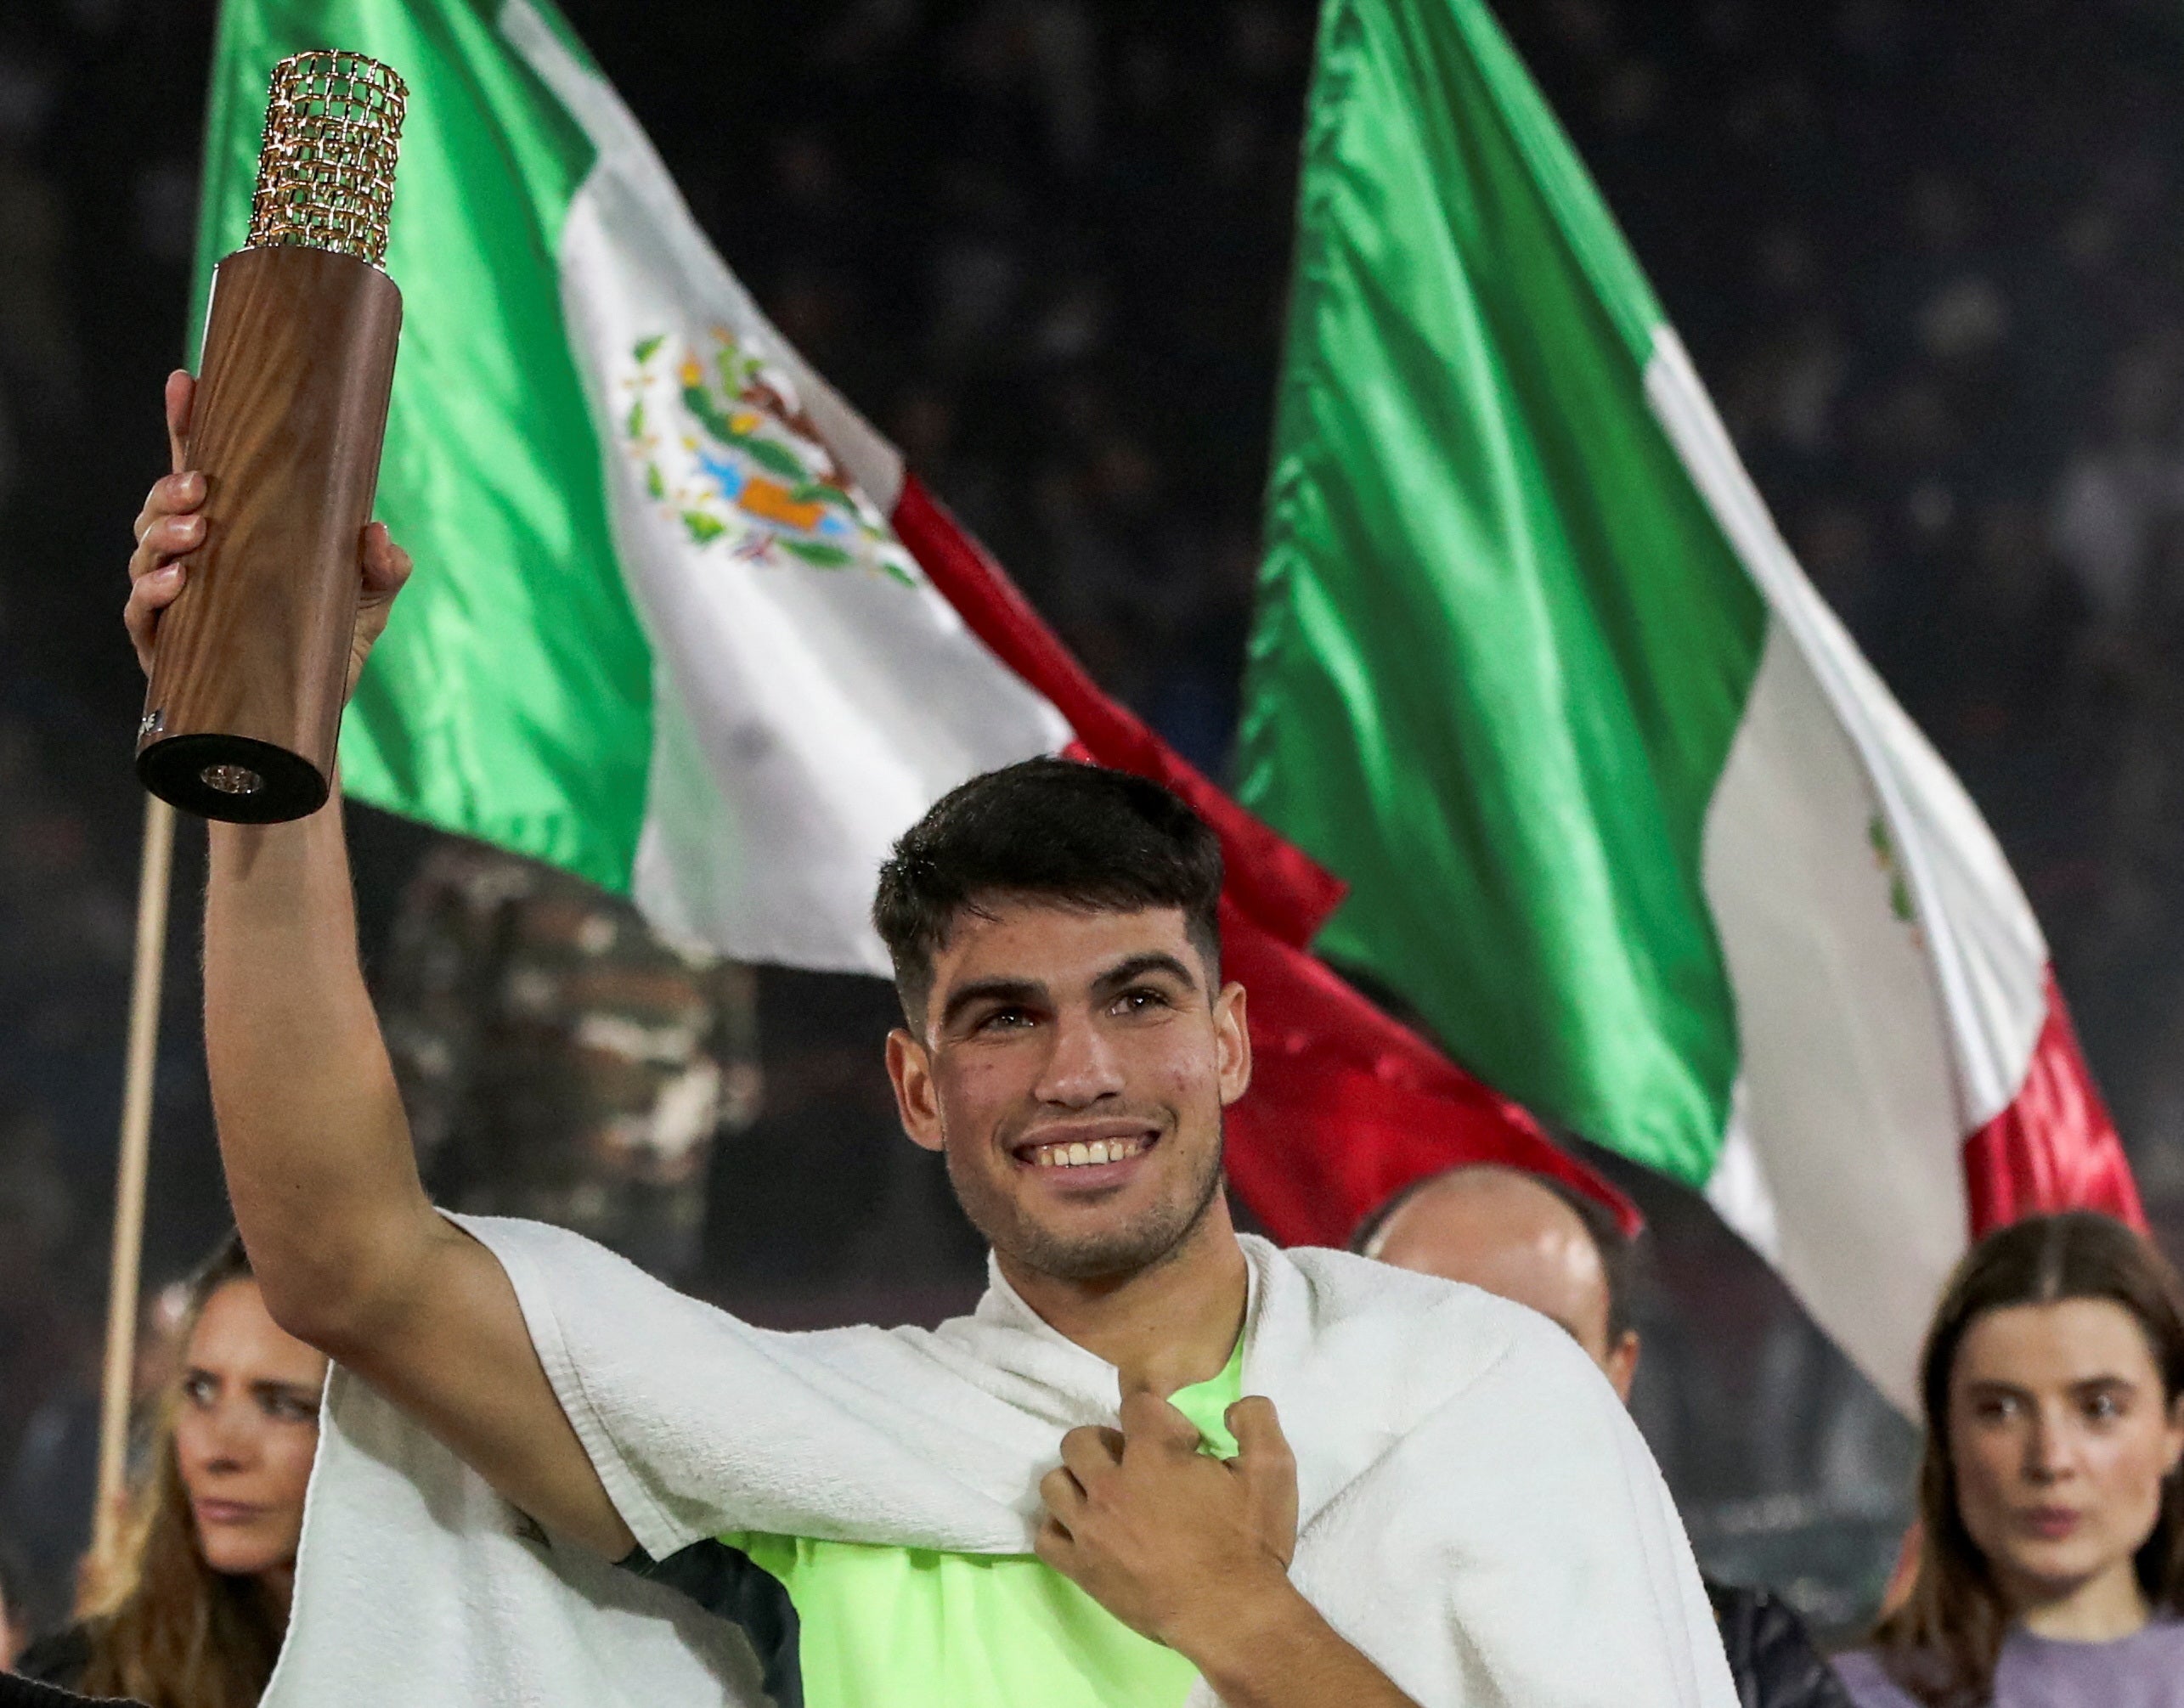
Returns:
<point x="1623" y="811"/>
<point x="683" y="623"/>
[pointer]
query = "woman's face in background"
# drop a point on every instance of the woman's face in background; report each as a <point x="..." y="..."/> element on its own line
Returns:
<point x="2060" y="1435"/>
<point x="244" y="1430"/>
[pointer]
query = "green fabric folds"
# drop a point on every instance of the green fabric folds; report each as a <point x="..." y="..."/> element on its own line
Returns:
<point x="1502" y="647"/>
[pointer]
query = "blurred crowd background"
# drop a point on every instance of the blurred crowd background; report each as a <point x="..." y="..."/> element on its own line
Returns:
<point x="1930" y="259"/>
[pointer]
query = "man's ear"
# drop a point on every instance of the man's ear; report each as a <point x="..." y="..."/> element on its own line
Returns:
<point x="1232" y="1034"/>
<point x="1622" y="1365"/>
<point x="916" y="1100"/>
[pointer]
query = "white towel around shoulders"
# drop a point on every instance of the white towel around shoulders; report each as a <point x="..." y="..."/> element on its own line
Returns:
<point x="1477" y="1511"/>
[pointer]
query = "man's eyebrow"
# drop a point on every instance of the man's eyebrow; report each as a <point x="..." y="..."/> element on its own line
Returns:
<point x="1006" y="990"/>
<point x="1137" y="965"/>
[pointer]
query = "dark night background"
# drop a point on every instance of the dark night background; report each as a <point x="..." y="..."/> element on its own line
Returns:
<point x="1930" y="260"/>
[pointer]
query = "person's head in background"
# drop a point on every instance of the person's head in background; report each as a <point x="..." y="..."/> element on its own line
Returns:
<point x="2052" y="1383"/>
<point x="194" y="1615"/>
<point x="1528" y="1239"/>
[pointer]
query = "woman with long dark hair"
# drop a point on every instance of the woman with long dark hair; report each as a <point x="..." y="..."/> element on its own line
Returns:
<point x="2050" y="1573"/>
<point x="195" y="1615"/>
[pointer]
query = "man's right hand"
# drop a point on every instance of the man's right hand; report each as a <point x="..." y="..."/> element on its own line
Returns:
<point x="170" y="527"/>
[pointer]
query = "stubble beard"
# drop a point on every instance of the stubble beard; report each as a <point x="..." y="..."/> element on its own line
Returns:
<point x="1151" y="1237"/>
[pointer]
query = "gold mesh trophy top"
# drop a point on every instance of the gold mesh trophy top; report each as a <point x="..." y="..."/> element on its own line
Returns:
<point x="326" y="167"/>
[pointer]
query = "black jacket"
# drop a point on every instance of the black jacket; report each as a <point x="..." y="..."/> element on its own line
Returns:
<point x="18" y="1691"/>
<point x="50" y="1669"/>
<point x="1770" y="1658"/>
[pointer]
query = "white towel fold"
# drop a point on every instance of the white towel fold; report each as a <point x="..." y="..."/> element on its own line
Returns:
<point x="1477" y="1511"/>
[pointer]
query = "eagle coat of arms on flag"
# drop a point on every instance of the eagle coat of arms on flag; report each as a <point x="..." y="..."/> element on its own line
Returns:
<point x="727" y="450"/>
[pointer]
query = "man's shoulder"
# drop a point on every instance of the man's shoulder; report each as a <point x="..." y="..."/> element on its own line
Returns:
<point x="1365" y="1296"/>
<point x="588" y="1306"/>
<point x="1418" y="1343"/>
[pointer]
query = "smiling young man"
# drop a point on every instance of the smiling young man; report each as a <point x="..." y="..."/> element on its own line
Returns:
<point x="1067" y="1498"/>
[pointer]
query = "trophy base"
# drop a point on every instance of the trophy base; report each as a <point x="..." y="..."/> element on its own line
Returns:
<point x="232" y="778"/>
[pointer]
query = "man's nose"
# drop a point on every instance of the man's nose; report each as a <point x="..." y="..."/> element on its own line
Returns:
<point x="1081" y="1066"/>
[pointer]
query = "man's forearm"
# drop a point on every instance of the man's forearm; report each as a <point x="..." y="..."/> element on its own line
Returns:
<point x="1276" y="1651"/>
<point x="317" y="1151"/>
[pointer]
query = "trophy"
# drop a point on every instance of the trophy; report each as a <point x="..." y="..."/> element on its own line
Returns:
<point x="252" y="662"/>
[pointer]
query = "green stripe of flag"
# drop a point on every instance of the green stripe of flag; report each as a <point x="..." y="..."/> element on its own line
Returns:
<point x="511" y="697"/>
<point x="1502" y="646"/>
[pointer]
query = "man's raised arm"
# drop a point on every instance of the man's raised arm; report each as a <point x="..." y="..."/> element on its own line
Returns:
<point x="348" y="1251"/>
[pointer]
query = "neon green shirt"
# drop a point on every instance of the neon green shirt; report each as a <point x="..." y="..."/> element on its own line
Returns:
<point x="899" y="1627"/>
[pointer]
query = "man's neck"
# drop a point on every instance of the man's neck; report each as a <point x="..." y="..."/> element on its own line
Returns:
<point x="1166" y="1327"/>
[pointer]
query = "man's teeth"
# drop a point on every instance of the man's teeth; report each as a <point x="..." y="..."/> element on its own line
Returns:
<point x="1078" y="1154"/>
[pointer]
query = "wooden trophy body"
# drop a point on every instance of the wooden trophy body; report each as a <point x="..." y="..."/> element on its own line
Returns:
<point x="252" y="659"/>
<point x="251" y="663"/>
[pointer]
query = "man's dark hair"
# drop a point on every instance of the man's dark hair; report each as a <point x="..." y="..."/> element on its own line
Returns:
<point x="1079" y="836"/>
<point x="1618" y="1250"/>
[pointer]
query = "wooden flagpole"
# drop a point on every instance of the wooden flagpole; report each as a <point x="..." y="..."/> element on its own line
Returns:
<point x="152" y="895"/>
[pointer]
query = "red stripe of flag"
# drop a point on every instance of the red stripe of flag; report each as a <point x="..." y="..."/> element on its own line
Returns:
<point x="2054" y="1147"/>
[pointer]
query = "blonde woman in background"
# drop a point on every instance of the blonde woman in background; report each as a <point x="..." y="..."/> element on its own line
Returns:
<point x="194" y="1615"/>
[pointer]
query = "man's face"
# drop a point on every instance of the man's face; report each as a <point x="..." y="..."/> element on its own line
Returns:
<point x="1073" y="1069"/>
